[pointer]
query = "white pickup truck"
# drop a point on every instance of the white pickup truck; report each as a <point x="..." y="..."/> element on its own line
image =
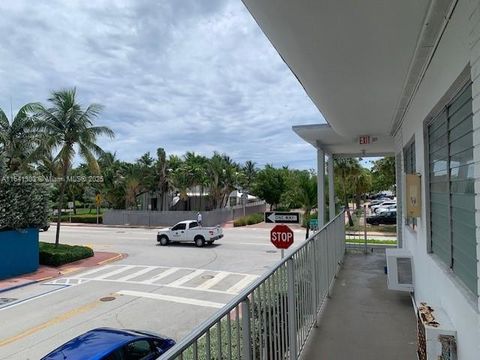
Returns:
<point x="187" y="231"/>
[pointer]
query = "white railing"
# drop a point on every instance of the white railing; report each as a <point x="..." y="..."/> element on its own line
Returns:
<point x="272" y="318"/>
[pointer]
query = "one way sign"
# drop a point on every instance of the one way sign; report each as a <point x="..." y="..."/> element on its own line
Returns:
<point x="282" y="217"/>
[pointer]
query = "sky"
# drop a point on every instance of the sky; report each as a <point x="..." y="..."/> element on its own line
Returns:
<point x="185" y="75"/>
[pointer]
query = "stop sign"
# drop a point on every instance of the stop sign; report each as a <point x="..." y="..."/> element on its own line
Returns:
<point x="281" y="236"/>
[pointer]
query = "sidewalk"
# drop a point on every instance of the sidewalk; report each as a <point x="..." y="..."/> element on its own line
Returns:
<point x="363" y="320"/>
<point x="46" y="272"/>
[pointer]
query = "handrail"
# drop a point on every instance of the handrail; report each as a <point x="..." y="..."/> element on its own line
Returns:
<point x="201" y="329"/>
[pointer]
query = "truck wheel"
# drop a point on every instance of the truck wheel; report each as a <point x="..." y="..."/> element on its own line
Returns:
<point x="164" y="241"/>
<point x="199" y="241"/>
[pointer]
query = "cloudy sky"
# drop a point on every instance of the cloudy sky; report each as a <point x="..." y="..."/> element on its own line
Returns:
<point x="185" y="75"/>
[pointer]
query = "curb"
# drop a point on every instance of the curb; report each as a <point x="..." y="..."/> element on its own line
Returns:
<point x="115" y="258"/>
<point x="13" y="287"/>
<point x="18" y="286"/>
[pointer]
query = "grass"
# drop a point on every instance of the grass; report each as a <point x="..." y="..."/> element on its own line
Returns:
<point x="52" y="255"/>
<point x="249" y="220"/>
<point x="391" y="229"/>
<point x="372" y="241"/>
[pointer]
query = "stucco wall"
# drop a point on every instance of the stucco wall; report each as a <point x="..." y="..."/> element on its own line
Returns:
<point x="19" y="251"/>
<point x="434" y="282"/>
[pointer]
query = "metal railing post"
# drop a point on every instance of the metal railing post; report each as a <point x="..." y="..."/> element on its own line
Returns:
<point x="292" y="326"/>
<point x="246" y="331"/>
<point x="313" y="258"/>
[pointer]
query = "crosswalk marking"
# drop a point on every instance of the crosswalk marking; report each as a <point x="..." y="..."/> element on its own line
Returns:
<point x="186" y="278"/>
<point x="137" y="274"/>
<point x="164" y="274"/>
<point x="175" y="299"/>
<point x="214" y="281"/>
<point x="115" y="272"/>
<point x="161" y="276"/>
<point x="97" y="270"/>
<point x="242" y="283"/>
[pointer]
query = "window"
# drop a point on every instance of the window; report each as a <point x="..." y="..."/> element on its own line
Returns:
<point x="179" y="227"/>
<point x="116" y="355"/>
<point x="193" y="224"/>
<point x="451" y="182"/>
<point x="410" y="167"/>
<point x="138" y="350"/>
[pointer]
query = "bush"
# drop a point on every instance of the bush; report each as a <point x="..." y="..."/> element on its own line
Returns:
<point x="24" y="203"/>
<point x="84" y="219"/>
<point x="52" y="255"/>
<point x="249" y="220"/>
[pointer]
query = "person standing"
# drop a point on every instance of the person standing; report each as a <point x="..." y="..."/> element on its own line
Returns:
<point x="199" y="219"/>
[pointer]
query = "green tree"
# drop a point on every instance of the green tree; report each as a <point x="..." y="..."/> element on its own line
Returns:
<point x="18" y="139"/>
<point x="164" y="181"/>
<point x="383" y="174"/>
<point x="362" y="182"/>
<point x="345" y="170"/>
<point x="69" y="130"/>
<point x="307" y="193"/>
<point x="269" y="185"/>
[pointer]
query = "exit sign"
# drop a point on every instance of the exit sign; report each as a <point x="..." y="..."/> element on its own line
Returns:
<point x="364" y="140"/>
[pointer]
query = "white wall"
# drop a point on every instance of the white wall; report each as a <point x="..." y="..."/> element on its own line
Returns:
<point x="434" y="283"/>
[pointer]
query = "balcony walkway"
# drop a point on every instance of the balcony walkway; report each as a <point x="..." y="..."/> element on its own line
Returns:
<point x="364" y="320"/>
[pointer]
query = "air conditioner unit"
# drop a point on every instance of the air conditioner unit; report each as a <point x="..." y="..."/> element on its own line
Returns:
<point x="437" y="339"/>
<point x="399" y="269"/>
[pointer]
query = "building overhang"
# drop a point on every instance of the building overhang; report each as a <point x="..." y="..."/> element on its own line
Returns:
<point x="359" y="61"/>
<point x="323" y="137"/>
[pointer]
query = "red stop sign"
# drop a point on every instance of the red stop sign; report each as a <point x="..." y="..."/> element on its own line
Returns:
<point x="281" y="236"/>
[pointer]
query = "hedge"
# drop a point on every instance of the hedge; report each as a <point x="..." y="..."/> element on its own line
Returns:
<point x="52" y="255"/>
<point x="24" y="203"/>
<point x="249" y="220"/>
<point x="90" y="219"/>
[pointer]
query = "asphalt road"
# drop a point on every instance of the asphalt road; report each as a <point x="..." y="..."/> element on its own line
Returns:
<point x="168" y="290"/>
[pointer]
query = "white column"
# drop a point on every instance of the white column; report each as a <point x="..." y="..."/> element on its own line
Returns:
<point x="331" y="189"/>
<point x="321" y="186"/>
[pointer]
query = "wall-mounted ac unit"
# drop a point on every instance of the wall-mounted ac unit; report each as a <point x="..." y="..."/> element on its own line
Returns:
<point x="400" y="269"/>
<point x="437" y="339"/>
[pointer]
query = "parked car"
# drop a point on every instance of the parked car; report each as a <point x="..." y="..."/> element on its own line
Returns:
<point x="112" y="344"/>
<point x="377" y="202"/>
<point x="383" y="204"/>
<point x="382" y="209"/>
<point x="187" y="231"/>
<point x="387" y="217"/>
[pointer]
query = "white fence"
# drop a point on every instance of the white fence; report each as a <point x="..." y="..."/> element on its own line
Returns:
<point x="272" y="318"/>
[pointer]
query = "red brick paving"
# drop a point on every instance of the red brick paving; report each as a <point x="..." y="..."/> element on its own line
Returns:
<point x="48" y="272"/>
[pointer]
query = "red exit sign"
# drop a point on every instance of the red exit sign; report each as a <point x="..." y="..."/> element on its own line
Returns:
<point x="364" y="140"/>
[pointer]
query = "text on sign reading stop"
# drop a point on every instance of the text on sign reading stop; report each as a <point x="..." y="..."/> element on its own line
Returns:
<point x="282" y="236"/>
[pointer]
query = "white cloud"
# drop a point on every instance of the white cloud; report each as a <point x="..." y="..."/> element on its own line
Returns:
<point x="185" y="75"/>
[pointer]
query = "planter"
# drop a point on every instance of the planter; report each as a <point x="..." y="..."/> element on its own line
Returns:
<point x="18" y="252"/>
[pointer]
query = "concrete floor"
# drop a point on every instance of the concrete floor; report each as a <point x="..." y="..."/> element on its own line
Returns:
<point x="364" y="320"/>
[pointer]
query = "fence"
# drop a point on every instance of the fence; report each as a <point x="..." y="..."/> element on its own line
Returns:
<point x="167" y="218"/>
<point x="271" y="319"/>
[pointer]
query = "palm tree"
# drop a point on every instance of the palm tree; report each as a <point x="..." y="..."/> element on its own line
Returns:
<point x="250" y="171"/>
<point x="345" y="170"/>
<point x="18" y="140"/>
<point x="163" y="175"/>
<point x="307" y="194"/>
<point x="69" y="129"/>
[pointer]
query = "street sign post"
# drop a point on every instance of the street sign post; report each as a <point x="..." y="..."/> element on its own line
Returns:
<point x="282" y="217"/>
<point x="70" y="206"/>
<point x="281" y="236"/>
<point x="98" y="201"/>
